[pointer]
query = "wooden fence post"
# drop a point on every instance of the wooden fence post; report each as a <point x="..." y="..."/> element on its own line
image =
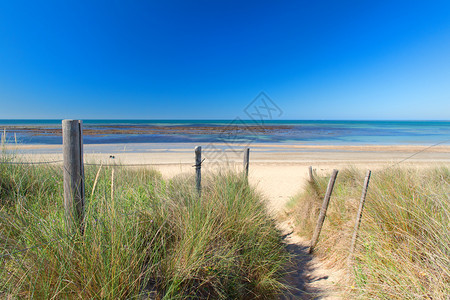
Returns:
<point x="246" y="161"/>
<point x="72" y="132"/>
<point x="198" y="169"/>
<point x="311" y="176"/>
<point x="359" y="216"/>
<point x="323" y="211"/>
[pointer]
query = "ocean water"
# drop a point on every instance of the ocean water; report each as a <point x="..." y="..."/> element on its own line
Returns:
<point x="280" y="131"/>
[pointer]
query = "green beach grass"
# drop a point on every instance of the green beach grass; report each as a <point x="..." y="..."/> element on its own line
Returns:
<point x="403" y="249"/>
<point x="144" y="237"/>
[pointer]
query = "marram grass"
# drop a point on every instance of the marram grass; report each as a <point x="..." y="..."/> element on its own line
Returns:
<point x="403" y="249"/>
<point x="144" y="237"/>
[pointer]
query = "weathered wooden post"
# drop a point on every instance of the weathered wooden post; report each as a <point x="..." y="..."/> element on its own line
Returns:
<point x="72" y="132"/>
<point x="323" y="211"/>
<point x="198" y="169"/>
<point x="246" y="161"/>
<point x="311" y="176"/>
<point x="3" y="139"/>
<point x="359" y="216"/>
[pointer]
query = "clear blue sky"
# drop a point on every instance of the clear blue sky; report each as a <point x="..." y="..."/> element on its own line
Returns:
<point x="209" y="59"/>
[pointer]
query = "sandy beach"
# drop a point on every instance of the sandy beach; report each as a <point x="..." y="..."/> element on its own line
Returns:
<point x="278" y="170"/>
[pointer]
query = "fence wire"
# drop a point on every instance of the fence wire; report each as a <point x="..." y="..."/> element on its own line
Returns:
<point x="121" y="165"/>
<point x="418" y="152"/>
<point x="31" y="162"/>
<point x="153" y="164"/>
<point x="86" y="164"/>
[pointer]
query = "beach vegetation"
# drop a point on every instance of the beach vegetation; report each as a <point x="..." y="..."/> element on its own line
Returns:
<point x="403" y="248"/>
<point x="145" y="236"/>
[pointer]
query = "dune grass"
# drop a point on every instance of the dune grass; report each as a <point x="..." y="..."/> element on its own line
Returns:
<point x="403" y="250"/>
<point x="144" y="236"/>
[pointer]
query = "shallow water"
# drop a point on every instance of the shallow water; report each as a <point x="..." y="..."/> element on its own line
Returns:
<point x="234" y="131"/>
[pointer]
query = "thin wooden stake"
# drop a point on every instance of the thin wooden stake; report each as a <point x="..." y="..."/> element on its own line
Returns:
<point x="198" y="169"/>
<point x="358" y="217"/>
<point x="323" y="211"/>
<point x="73" y="175"/>
<point x="246" y="161"/>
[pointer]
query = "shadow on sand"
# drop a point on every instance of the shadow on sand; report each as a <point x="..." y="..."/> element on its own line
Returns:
<point x="300" y="273"/>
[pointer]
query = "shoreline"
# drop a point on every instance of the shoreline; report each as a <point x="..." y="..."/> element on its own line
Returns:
<point x="279" y="147"/>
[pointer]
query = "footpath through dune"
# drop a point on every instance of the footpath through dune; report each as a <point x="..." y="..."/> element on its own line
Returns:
<point x="308" y="277"/>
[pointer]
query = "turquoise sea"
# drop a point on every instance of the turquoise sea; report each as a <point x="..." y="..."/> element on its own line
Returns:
<point x="279" y="131"/>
